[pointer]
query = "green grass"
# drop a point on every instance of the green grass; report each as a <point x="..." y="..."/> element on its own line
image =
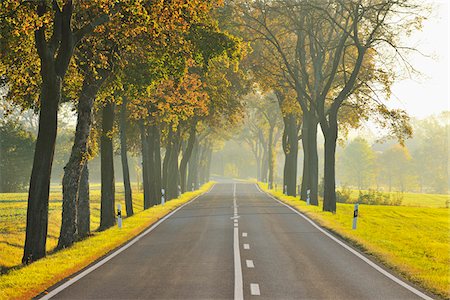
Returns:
<point x="414" y="241"/>
<point x="13" y="212"/>
<point x="27" y="281"/>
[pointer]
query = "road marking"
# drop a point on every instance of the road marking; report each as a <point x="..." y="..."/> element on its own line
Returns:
<point x="254" y="289"/>
<point x="235" y="221"/>
<point x="236" y="225"/>
<point x="238" y="284"/>
<point x="244" y="234"/>
<point x="235" y="217"/>
<point x="249" y="263"/>
<point x="356" y="253"/>
<point x="246" y="246"/>
<point x="71" y="281"/>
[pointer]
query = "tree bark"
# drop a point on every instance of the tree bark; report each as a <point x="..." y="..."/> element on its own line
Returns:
<point x="290" y="147"/>
<point x="310" y="179"/>
<point x="145" y="165"/>
<point x="193" y="167"/>
<point x="37" y="210"/>
<point x="107" y="217"/>
<point x="172" y="169"/>
<point x="78" y="157"/>
<point x="157" y="161"/>
<point x="330" y="134"/>
<point x="270" y="157"/>
<point x="83" y="209"/>
<point x="264" y="163"/>
<point x="124" y="159"/>
<point x="208" y="165"/>
<point x="187" y="156"/>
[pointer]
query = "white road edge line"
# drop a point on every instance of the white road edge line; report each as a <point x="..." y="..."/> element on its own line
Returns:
<point x="254" y="289"/>
<point x="238" y="283"/>
<point x="115" y="253"/>
<point x="356" y="253"/>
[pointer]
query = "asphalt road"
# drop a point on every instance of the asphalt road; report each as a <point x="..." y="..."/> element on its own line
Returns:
<point x="234" y="242"/>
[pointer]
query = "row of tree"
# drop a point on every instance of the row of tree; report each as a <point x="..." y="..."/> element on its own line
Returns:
<point x="169" y="71"/>
<point x="159" y="74"/>
<point x="326" y="64"/>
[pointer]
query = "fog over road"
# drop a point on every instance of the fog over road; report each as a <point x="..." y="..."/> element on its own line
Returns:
<point x="235" y="242"/>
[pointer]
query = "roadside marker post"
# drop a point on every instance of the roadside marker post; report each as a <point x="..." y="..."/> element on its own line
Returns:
<point x="119" y="215"/>
<point x="163" y="198"/>
<point x="308" y="197"/>
<point x="285" y="190"/>
<point x="192" y="187"/>
<point x="355" y="216"/>
<point x="179" y="190"/>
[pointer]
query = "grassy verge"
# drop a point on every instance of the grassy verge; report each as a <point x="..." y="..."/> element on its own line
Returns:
<point x="413" y="241"/>
<point x="13" y="213"/>
<point x="28" y="281"/>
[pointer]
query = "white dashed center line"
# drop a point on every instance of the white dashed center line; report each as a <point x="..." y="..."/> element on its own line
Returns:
<point x="244" y="234"/>
<point x="238" y="283"/>
<point x="246" y="246"/>
<point x="254" y="289"/>
<point x="249" y="263"/>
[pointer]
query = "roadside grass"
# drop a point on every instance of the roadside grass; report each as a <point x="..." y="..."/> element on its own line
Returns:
<point x="413" y="241"/>
<point x="13" y="214"/>
<point x="24" y="282"/>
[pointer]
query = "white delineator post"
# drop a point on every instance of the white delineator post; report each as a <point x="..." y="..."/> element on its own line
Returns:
<point x="355" y="215"/>
<point x="308" y="196"/>
<point x="119" y="215"/>
<point x="163" y="198"/>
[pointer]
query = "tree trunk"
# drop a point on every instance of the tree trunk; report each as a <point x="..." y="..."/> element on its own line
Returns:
<point x="208" y="165"/>
<point x="258" y="167"/>
<point x="83" y="210"/>
<point x="53" y="67"/>
<point x="151" y="167"/>
<point x="157" y="161"/>
<point x="172" y="169"/>
<point x="145" y="165"/>
<point x="291" y="152"/>
<point x="271" y="157"/>
<point x="166" y="160"/>
<point x="78" y="156"/>
<point x="264" y="164"/>
<point x="37" y="209"/>
<point x="330" y="134"/>
<point x="107" y="218"/>
<point x="187" y="156"/>
<point x="193" y="167"/>
<point x="124" y="159"/>
<point x="310" y="178"/>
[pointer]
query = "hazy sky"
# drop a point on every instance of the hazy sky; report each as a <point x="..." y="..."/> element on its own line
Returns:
<point x="429" y="93"/>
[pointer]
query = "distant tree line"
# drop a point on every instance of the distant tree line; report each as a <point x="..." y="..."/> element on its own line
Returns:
<point x="421" y="165"/>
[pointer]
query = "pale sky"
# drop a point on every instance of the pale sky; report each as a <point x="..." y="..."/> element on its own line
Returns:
<point x="428" y="94"/>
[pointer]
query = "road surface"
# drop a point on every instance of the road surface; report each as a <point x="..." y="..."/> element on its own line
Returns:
<point x="235" y="242"/>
